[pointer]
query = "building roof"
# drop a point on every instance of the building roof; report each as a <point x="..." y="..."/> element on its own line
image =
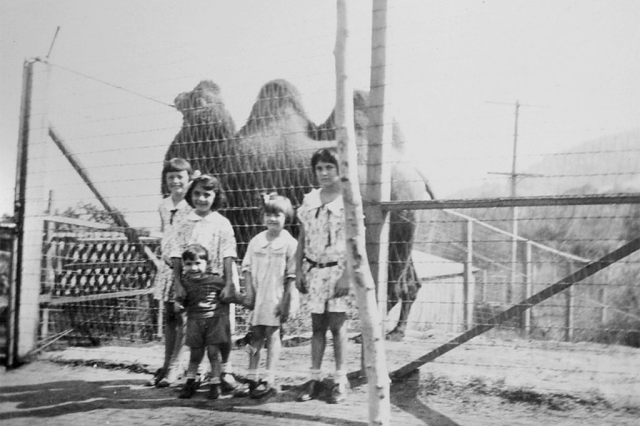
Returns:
<point x="429" y="266"/>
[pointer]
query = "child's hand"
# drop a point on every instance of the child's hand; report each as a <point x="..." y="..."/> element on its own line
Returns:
<point x="282" y="311"/>
<point x="179" y="291"/>
<point x="178" y="307"/>
<point x="248" y="303"/>
<point x="342" y="286"/>
<point x="301" y="284"/>
<point x="228" y="294"/>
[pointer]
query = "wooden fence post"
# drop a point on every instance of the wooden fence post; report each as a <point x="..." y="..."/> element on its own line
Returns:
<point x="603" y="301"/>
<point x="378" y="149"/>
<point x="357" y="261"/>
<point x="528" y="281"/>
<point x="30" y="205"/>
<point x="49" y="273"/>
<point x="568" y="333"/>
<point x="467" y="298"/>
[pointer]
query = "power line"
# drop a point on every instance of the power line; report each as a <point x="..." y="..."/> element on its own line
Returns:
<point x="113" y="85"/>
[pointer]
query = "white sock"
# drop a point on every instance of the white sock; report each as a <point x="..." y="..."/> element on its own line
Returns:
<point x="252" y="375"/>
<point x="270" y="376"/>
<point x="315" y="374"/>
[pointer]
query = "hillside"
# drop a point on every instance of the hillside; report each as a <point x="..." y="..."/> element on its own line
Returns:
<point x="604" y="165"/>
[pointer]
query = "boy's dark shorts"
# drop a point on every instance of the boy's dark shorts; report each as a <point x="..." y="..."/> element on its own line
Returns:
<point x="202" y="332"/>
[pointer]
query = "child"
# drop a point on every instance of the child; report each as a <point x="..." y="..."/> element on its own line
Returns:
<point x="207" y="317"/>
<point x="321" y="271"/>
<point x="176" y="174"/>
<point x="269" y="275"/>
<point x="205" y="226"/>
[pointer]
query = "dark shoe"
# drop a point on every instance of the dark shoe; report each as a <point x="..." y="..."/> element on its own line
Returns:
<point x="245" y="389"/>
<point x="338" y="394"/>
<point x="246" y="340"/>
<point x="228" y="383"/>
<point x="309" y="392"/>
<point x="188" y="389"/>
<point x="215" y="391"/>
<point x="262" y="390"/>
<point x="159" y="375"/>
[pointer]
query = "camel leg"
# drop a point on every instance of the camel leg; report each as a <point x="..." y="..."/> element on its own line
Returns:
<point x="403" y="281"/>
<point x="406" y="302"/>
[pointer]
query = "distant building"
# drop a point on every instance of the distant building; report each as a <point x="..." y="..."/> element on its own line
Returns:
<point x="440" y="301"/>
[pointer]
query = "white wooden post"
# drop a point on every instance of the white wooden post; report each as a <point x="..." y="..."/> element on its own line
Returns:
<point x="378" y="150"/>
<point x="568" y="336"/>
<point x="50" y="273"/>
<point x="528" y="281"/>
<point x="357" y="261"/>
<point x="467" y="285"/>
<point x="30" y="203"/>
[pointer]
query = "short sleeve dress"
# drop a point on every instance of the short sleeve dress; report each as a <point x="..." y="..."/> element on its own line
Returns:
<point x="270" y="264"/>
<point x="214" y="232"/>
<point x="170" y="215"/>
<point x="324" y="245"/>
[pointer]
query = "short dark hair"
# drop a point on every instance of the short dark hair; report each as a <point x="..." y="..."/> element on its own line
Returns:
<point x="176" y="164"/>
<point x="274" y="203"/>
<point x="209" y="183"/>
<point x="195" y="252"/>
<point x="326" y="155"/>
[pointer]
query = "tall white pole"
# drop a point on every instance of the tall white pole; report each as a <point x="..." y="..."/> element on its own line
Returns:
<point x="30" y="205"/>
<point x="357" y="262"/>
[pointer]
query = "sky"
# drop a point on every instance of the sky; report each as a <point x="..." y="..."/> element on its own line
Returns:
<point x="457" y="70"/>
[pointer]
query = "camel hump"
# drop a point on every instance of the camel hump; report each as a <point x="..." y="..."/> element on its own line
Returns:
<point x="278" y="100"/>
<point x="327" y="130"/>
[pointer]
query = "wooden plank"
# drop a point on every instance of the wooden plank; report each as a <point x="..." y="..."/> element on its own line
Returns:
<point x="80" y="222"/>
<point x="538" y="201"/>
<point x="92" y="297"/>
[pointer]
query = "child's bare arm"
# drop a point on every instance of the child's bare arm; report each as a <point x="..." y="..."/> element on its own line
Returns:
<point x="250" y="299"/>
<point x="229" y="291"/>
<point x="301" y="284"/>
<point x="178" y="289"/>
<point x="342" y="286"/>
<point x="285" y="307"/>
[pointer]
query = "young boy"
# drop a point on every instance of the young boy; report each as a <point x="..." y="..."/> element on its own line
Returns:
<point x="208" y="324"/>
<point x="204" y="225"/>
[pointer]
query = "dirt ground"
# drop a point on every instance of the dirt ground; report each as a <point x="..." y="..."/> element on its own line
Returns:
<point x="490" y="381"/>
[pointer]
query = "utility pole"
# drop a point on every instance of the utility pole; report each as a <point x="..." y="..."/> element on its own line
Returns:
<point x="514" y="175"/>
<point x="514" y="209"/>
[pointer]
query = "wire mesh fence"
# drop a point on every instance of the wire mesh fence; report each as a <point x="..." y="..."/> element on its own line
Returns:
<point x="99" y="247"/>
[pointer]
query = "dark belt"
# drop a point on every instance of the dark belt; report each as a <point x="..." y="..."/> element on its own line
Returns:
<point x="315" y="264"/>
